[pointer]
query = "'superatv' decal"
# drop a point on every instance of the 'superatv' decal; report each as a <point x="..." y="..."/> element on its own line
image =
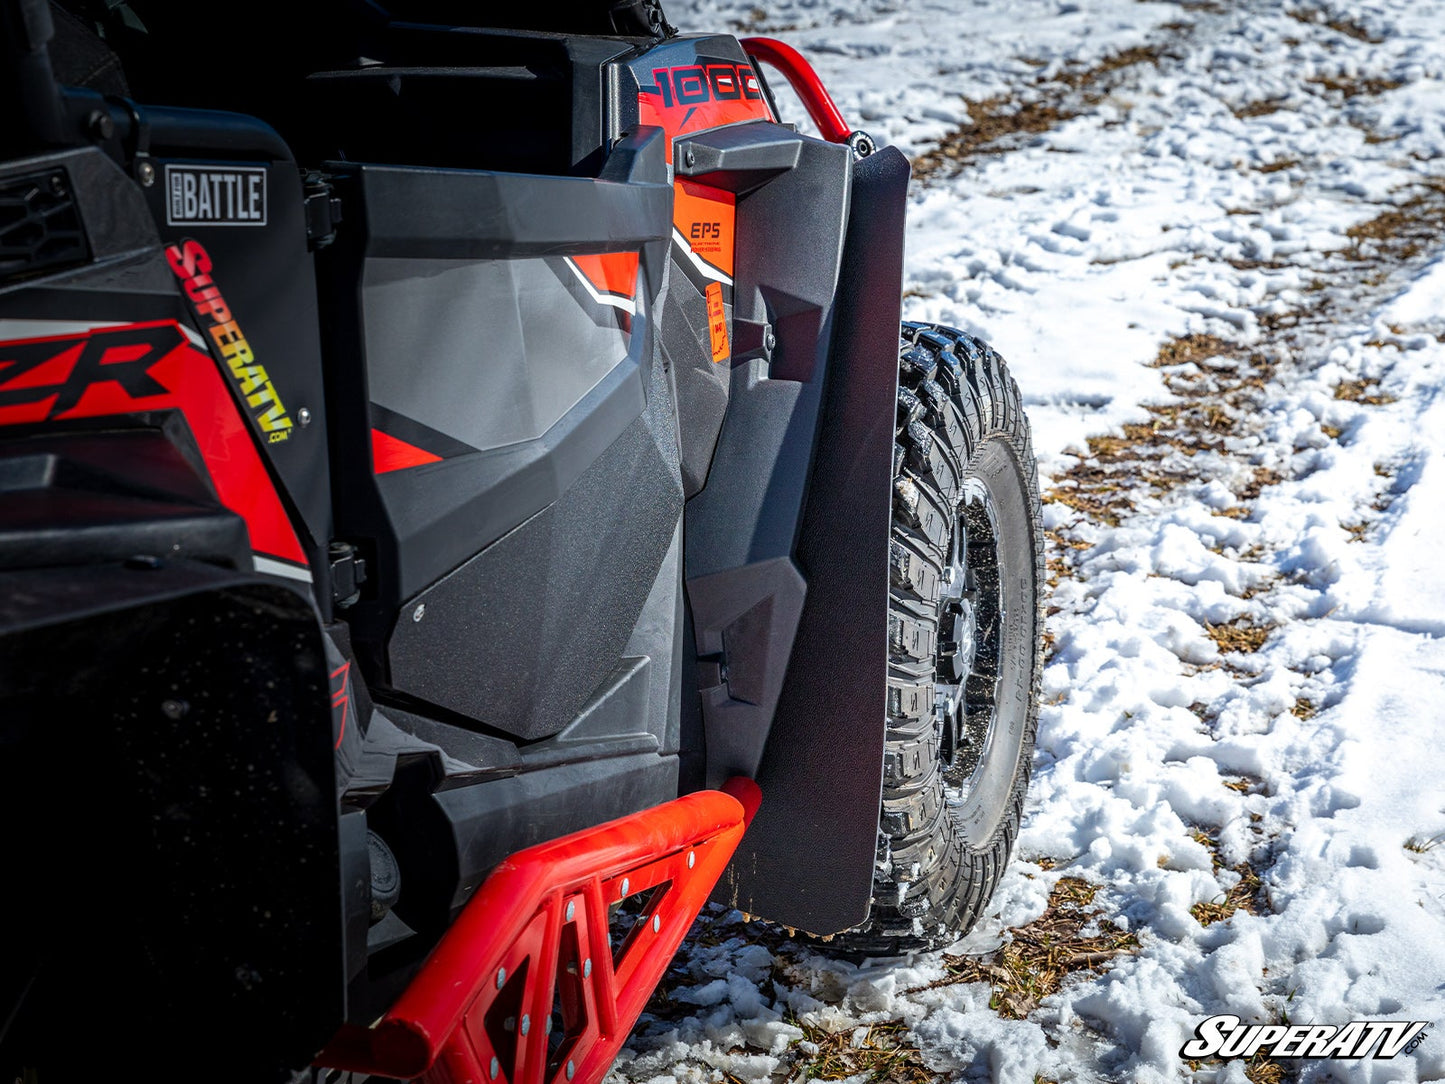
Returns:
<point x="192" y="265"/>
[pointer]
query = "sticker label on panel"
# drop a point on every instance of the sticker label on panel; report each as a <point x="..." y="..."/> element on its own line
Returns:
<point x="717" y="322"/>
<point x="215" y="195"/>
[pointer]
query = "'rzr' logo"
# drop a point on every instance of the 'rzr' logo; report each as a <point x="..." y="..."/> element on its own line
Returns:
<point x="51" y="376"/>
<point x="699" y="83"/>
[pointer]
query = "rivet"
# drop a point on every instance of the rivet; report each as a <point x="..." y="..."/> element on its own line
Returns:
<point x="571" y="1069"/>
<point x="691" y="859"/>
<point x="419" y="612"/>
<point x="304" y="416"/>
<point x="587" y="968"/>
<point x="571" y="909"/>
<point x="526" y="1023"/>
<point x="496" y="1068"/>
<point x="145" y="173"/>
<point x="656" y="923"/>
<point x="625" y="884"/>
<point x="501" y="977"/>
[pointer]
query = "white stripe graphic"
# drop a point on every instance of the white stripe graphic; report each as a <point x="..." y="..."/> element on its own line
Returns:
<point x="707" y="269"/>
<point x="617" y="301"/>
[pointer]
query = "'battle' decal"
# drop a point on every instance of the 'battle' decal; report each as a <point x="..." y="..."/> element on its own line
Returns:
<point x="215" y="195"/>
<point x="192" y="265"/>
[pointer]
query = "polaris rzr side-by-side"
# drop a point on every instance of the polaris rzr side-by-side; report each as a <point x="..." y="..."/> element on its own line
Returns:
<point x="465" y="501"/>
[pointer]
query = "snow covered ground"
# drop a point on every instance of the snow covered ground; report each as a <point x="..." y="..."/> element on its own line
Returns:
<point x="1206" y="236"/>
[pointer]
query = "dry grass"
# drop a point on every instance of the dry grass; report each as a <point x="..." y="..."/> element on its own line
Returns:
<point x="1192" y="349"/>
<point x="1424" y="844"/>
<point x="1261" y="108"/>
<point x="881" y="1052"/>
<point x="1351" y="87"/>
<point x="1410" y="229"/>
<point x="1238" y="637"/>
<point x="1258" y="481"/>
<point x="1304" y="708"/>
<point x="1044" y="952"/>
<point x="998" y="123"/>
<point x="1247" y="895"/>
<point x="1360" y="391"/>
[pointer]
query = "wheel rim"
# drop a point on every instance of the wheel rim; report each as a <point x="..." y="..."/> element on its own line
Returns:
<point x="985" y="651"/>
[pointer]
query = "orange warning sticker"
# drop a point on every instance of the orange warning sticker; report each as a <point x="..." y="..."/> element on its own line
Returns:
<point x="717" y="322"/>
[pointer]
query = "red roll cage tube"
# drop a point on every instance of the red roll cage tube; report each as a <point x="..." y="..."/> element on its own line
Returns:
<point x="805" y="83"/>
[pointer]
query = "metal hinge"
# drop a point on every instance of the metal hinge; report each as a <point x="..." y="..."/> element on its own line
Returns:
<point x="323" y="212"/>
<point x="348" y="573"/>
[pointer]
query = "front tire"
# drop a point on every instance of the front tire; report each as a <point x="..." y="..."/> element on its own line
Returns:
<point x="965" y="631"/>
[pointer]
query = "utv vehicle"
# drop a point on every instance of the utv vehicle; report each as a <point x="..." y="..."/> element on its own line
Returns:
<point x="456" y="460"/>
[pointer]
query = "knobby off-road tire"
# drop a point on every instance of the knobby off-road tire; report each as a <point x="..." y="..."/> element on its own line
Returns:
<point x="965" y="630"/>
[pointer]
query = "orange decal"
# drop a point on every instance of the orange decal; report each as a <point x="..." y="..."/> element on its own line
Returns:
<point x="610" y="272"/>
<point x="717" y="322"/>
<point x="705" y="217"/>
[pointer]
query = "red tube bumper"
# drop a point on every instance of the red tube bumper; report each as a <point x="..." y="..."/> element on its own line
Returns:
<point x="546" y="970"/>
<point x="805" y="83"/>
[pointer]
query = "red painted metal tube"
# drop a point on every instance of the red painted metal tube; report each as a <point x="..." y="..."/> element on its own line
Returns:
<point x="805" y="82"/>
<point x="537" y="932"/>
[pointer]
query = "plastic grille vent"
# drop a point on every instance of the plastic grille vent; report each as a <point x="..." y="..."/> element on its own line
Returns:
<point x="39" y="224"/>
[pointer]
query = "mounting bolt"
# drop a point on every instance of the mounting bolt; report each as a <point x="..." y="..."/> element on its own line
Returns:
<point x="571" y="909"/>
<point x="587" y="968"/>
<point x="526" y="1023"/>
<point x="769" y="339"/>
<point x="656" y="923"/>
<point x="501" y="977"/>
<point x="571" y="1069"/>
<point x="419" y="612"/>
<point x="625" y="884"/>
<point x="689" y="158"/>
<point x="496" y="1068"/>
<point x="691" y="859"/>
<point x="145" y="172"/>
<point x="304" y="416"/>
<point x="100" y="124"/>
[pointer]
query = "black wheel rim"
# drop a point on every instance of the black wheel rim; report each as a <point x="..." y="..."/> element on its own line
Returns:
<point x="985" y="655"/>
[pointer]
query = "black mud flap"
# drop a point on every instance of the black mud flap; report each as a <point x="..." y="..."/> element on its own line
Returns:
<point x="807" y="861"/>
<point x="169" y="824"/>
